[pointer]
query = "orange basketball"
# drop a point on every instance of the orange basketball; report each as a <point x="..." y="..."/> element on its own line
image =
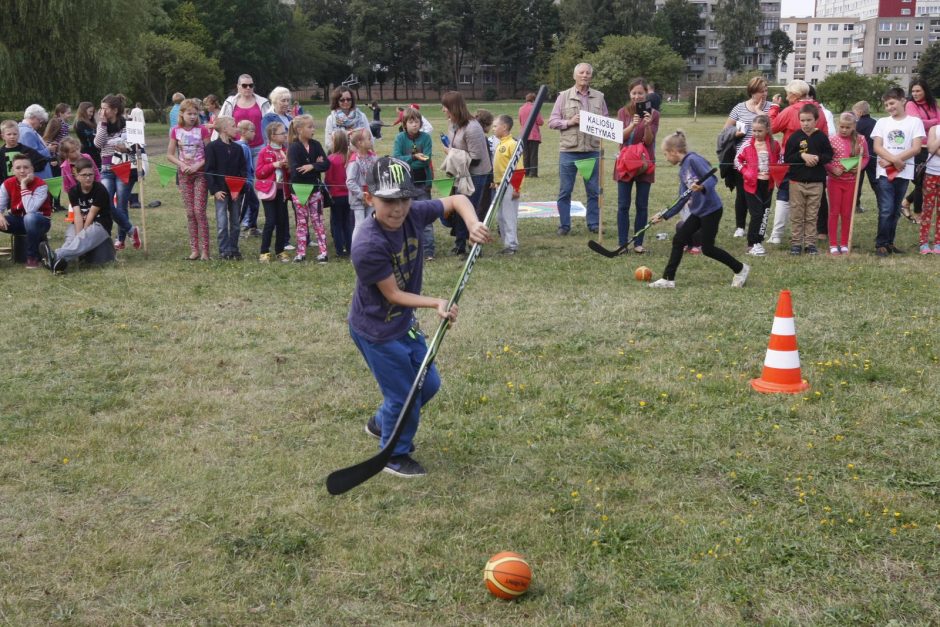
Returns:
<point x="643" y="274"/>
<point x="507" y="575"/>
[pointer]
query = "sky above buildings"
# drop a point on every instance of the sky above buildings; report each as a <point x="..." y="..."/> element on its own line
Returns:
<point x="797" y="8"/>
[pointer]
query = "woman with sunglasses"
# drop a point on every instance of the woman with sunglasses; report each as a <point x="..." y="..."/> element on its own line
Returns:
<point x="247" y="105"/>
<point x="344" y="116"/>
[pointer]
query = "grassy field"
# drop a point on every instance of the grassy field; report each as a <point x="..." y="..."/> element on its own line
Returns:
<point x="166" y="427"/>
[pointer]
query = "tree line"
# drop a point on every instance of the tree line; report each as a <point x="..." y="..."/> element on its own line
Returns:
<point x="57" y="50"/>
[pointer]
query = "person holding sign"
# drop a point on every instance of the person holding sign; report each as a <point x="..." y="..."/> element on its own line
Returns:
<point x="575" y="145"/>
<point x="640" y="124"/>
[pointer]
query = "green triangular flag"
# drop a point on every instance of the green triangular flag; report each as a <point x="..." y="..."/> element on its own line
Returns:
<point x="55" y="186"/>
<point x="443" y="187"/>
<point x="167" y="173"/>
<point x="303" y="191"/>
<point x="849" y="163"/>
<point x="586" y="167"/>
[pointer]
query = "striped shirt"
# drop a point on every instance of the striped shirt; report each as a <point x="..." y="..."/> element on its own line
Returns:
<point x="745" y="117"/>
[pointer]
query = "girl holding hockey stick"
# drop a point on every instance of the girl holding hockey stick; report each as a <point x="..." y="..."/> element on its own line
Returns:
<point x="705" y="213"/>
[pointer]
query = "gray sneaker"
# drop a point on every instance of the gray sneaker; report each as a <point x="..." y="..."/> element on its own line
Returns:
<point x="741" y="277"/>
<point x="404" y="466"/>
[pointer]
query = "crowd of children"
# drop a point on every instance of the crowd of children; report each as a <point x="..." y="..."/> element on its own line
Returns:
<point x="813" y="169"/>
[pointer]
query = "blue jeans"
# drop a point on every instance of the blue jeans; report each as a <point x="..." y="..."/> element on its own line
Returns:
<point x="341" y="225"/>
<point x="226" y="224"/>
<point x="890" y="195"/>
<point x="119" y="211"/>
<point x="394" y="365"/>
<point x="427" y="236"/>
<point x="250" y="208"/>
<point x="34" y="226"/>
<point x="567" y="172"/>
<point x="624" y="191"/>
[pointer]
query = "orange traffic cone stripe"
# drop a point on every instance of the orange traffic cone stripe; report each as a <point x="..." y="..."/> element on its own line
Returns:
<point x="781" y="372"/>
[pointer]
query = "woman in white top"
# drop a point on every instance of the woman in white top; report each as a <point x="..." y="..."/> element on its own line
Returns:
<point x="742" y="116"/>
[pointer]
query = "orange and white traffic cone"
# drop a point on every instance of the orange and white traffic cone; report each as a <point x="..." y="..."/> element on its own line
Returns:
<point x="782" y="363"/>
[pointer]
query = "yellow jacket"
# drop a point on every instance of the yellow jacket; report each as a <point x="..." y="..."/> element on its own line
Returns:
<point x="507" y="146"/>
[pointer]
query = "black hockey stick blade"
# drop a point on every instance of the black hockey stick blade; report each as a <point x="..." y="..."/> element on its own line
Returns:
<point x="610" y="254"/>
<point x="345" y="479"/>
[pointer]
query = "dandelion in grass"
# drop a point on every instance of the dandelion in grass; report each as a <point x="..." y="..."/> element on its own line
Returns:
<point x="65" y="460"/>
<point x="642" y="403"/>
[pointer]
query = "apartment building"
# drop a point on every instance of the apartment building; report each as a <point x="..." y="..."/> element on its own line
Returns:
<point x="821" y="46"/>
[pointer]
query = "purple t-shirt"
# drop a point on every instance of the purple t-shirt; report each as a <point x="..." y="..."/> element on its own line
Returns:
<point x="376" y="254"/>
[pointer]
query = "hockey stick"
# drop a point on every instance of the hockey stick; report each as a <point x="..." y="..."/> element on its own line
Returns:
<point x="596" y="247"/>
<point x="345" y="479"/>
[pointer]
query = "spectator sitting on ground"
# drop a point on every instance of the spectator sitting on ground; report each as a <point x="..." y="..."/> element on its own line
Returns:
<point x="91" y="226"/>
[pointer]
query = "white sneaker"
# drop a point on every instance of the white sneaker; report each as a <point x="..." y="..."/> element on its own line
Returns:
<point x="289" y="247"/>
<point x="663" y="283"/>
<point x="757" y="250"/>
<point x="834" y="250"/>
<point x="844" y="250"/>
<point x="739" y="233"/>
<point x="773" y="240"/>
<point x="741" y="277"/>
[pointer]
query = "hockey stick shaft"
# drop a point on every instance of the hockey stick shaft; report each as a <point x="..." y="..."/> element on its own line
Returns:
<point x="345" y="479"/>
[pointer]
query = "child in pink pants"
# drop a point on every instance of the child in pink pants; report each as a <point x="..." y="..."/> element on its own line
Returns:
<point x="841" y="185"/>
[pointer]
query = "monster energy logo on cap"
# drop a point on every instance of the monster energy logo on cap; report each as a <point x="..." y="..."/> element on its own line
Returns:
<point x="391" y="178"/>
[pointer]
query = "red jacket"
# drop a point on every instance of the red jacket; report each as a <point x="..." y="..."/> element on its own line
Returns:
<point x="12" y="185"/>
<point x="747" y="163"/>
<point x="264" y="166"/>
<point x="787" y="120"/>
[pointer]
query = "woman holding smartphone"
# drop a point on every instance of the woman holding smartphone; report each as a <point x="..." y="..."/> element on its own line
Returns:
<point x="640" y="125"/>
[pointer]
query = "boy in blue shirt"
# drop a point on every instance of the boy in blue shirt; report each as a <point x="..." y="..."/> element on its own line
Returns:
<point x="249" y="217"/>
<point x="388" y="256"/>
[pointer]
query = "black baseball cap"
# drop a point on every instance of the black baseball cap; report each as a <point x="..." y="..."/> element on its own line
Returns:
<point x="391" y="178"/>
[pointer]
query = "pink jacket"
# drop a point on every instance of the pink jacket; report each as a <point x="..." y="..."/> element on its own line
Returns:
<point x="524" y="112"/>
<point x="747" y="163"/>
<point x="929" y="115"/>
<point x="68" y="179"/>
<point x="842" y="149"/>
<point x="264" y="167"/>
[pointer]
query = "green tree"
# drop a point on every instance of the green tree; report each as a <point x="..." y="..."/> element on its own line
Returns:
<point x="781" y="46"/>
<point x="648" y="57"/>
<point x="558" y="72"/>
<point x="592" y="20"/>
<point x="928" y="68"/>
<point x="186" y="26"/>
<point x="841" y="90"/>
<point x="677" y="23"/>
<point x="736" y="22"/>
<point x="54" y="51"/>
<point x="330" y="24"/>
<point x="167" y="65"/>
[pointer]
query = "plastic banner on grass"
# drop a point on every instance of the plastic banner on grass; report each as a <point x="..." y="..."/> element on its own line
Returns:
<point x="166" y="172"/>
<point x="443" y="186"/>
<point x="850" y="163"/>
<point x="586" y="167"/>
<point x="778" y="172"/>
<point x="123" y="171"/>
<point x="303" y="191"/>
<point x="55" y="186"/>
<point x="235" y="185"/>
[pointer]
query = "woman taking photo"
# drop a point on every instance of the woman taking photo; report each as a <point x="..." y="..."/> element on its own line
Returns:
<point x="640" y="124"/>
<point x="465" y="133"/>
<point x="344" y="116"/>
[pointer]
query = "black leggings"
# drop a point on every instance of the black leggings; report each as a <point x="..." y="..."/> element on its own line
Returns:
<point x="758" y="205"/>
<point x="709" y="229"/>
<point x="275" y="216"/>
<point x="741" y="206"/>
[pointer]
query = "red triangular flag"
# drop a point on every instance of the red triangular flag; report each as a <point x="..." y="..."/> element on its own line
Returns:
<point x="516" y="179"/>
<point x="123" y="171"/>
<point x="891" y="172"/>
<point x="235" y="185"/>
<point x="778" y="172"/>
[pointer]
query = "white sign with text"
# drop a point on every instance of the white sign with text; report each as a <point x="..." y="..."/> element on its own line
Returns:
<point x="597" y="125"/>
<point x="135" y="133"/>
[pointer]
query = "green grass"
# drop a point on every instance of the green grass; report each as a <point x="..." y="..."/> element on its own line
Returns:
<point x="166" y="428"/>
